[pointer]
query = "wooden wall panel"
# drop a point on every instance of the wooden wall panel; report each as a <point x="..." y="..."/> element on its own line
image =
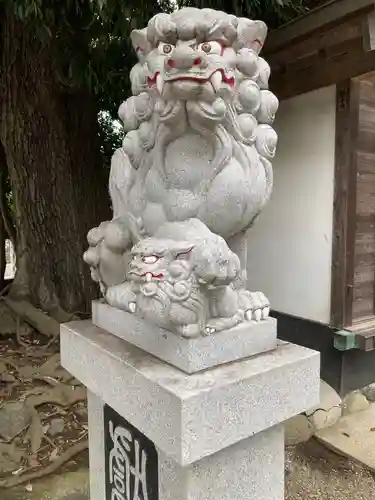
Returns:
<point x="344" y="207"/>
<point x="364" y="261"/>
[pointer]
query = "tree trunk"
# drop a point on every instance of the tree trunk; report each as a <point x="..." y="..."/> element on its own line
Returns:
<point x="2" y="254"/>
<point x="58" y="184"/>
<point x="3" y="217"/>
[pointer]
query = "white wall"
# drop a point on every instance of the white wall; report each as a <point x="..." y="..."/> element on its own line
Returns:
<point x="290" y="247"/>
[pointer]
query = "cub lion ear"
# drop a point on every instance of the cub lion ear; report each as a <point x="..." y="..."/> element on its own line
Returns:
<point x="251" y="34"/>
<point x="139" y="41"/>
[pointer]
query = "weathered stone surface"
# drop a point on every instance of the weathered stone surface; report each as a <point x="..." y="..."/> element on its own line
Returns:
<point x="328" y="399"/>
<point x="369" y="392"/>
<point x="353" y="436"/>
<point x="56" y="427"/>
<point x="14" y="418"/>
<point x="298" y="430"/>
<point x="354" y="403"/>
<point x="328" y="411"/>
<point x="322" y="419"/>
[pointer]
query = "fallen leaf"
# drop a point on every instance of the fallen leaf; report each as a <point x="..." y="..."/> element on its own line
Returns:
<point x="29" y="488"/>
<point x="18" y="471"/>
<point x="3" y="367"/>
<point x="54" y="455"/>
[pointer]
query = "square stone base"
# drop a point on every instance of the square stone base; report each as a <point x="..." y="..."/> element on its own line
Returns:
<point x="190" y="417"/>
<point x="252" y="469"/>
<point x="189" y="355"/>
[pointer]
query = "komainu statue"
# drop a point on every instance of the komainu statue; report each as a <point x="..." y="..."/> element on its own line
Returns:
<point x="192" y="175"/>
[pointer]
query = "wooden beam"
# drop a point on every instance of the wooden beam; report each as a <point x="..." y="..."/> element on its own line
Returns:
<point x="369" y="32"/>
<point x="344" y="209"/>
<point x="314" y="20"/>
<point x="328" y="69"/>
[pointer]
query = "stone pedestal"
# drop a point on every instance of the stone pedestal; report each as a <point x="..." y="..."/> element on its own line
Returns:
<point x="190" y="355"/>
<point x="157" y="433"/>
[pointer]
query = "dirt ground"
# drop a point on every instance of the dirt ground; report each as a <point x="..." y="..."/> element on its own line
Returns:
<point x="314" y="473"/>
<point x="43" y="415"/>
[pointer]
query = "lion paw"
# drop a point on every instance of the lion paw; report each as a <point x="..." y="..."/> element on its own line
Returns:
<point x="209" y="331"/>
<point x="122" y="297"/>
<point x="189" y="331"/>
<point x="255" y="305"/>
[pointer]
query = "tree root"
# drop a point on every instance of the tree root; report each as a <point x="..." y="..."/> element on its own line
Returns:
<point x="4" y="290"/>
<point x="50" y="469"/>
<point x="34" y="317"/>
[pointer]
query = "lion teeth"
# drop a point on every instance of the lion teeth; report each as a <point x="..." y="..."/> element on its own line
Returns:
<point x="160" y="84"/>
<point x="148" y="277"/>
<point x="217" y="80"/>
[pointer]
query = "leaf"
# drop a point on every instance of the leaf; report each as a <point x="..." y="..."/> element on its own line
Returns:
<point x="54" y="455"/>
<point x="3" y="367"/>
<point x="29" y="488"/>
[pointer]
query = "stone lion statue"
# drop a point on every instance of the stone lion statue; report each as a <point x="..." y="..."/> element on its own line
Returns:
<point x="199" y="145"/>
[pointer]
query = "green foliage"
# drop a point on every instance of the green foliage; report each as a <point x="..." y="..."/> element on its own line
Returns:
<point x="273" y="12"/>
<point x="111" y="135"/>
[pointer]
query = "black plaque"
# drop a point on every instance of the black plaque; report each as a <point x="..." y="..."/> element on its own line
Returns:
<point x="131" y="461"/>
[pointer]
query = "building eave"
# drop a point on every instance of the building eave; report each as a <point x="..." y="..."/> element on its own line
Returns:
<point x="314" y="20"/>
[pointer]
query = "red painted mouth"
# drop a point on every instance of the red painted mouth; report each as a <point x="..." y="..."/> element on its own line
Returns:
<point x="156" y="276"/>
<point x="229" y="80"/>
<point x="152" y="81"/>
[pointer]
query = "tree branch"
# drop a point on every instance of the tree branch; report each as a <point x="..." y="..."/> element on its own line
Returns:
<point x="50" y="469"/>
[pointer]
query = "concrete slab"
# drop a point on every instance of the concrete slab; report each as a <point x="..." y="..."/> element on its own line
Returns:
<point x="353" y="436"/>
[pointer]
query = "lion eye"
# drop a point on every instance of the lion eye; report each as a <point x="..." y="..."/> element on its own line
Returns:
<point x="165" y="48"/>
<point x="211" y="47"/>
<point x="150" y="259"/>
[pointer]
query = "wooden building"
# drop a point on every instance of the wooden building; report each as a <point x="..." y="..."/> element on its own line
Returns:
<point x="313" y="249"/>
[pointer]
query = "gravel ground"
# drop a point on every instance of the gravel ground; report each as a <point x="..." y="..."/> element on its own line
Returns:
<point x="314" y="473"/>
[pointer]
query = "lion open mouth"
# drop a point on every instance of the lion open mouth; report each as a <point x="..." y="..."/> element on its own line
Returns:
<point x="216" y="79"/>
